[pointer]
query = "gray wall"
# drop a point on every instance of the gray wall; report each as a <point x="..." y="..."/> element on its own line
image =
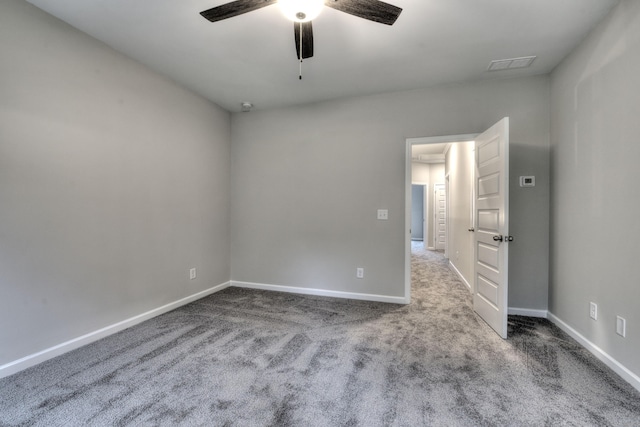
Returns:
<point x="113" y="182"/>
<point x="307" y="181"/>
<point x="595" y="174"/>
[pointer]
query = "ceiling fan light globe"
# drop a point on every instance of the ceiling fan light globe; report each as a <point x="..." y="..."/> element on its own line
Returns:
<point x="301" y="10"/>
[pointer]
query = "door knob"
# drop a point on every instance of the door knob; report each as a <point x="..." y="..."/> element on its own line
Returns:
<point x="472" y="229"/>
<point x="497" y="238"/>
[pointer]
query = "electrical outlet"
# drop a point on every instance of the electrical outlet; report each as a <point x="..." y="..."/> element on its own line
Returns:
<point x="621" y="326"/>
<point x="593" y="310"/>
<point x="192" y="273"/>
<point x="360" y="273"/>
<point x="383" y="214"/>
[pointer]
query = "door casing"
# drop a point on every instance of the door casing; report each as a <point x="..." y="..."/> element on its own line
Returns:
<point x="474" y="220"/>
<point x="410" y="142"/>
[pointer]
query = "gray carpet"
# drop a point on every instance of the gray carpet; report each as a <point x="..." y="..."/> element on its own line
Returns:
<point x="254" y="358"/>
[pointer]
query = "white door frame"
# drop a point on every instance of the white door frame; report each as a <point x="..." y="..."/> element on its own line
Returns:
<point x="410" y="142"/>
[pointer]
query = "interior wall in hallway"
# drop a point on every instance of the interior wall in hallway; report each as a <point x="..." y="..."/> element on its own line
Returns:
<point x="428" y="174"/>
<point x="458" y="169"/>
<point x="436" y="176"/>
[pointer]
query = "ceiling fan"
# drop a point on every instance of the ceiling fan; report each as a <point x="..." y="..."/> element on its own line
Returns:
<point x="301" y="12"/>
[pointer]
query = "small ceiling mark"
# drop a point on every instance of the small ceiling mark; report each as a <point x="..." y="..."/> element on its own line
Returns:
<point x="511" y="63"/>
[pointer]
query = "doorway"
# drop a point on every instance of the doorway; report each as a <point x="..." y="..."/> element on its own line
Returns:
<point x="418" y="211"/>
<point x="430" y="229"/>
<point x="482" y="236"/>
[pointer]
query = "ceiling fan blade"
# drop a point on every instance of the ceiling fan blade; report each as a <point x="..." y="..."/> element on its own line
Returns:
<point x="307" y="39"/>
<point x="373" y="10"/>
<point x="234" y="8"/>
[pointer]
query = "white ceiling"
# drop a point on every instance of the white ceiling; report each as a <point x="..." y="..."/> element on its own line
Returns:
<point x="252" y="57"/>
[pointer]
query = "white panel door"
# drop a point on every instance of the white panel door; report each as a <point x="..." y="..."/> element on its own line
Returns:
<point x="441" y="216"/>
<point x="492" y="226"/>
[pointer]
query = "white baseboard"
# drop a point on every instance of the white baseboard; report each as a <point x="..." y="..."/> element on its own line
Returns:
<point x="431" y="248"/>
<point x="603" y="356"/>
<point x="321" y="292"/>
<point x="455" y="269"/>
<point x="49" y="353"/>
<point x="528" y="312"/>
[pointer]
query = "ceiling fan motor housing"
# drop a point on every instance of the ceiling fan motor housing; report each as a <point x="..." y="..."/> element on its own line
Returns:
<point x="302" y="12"/>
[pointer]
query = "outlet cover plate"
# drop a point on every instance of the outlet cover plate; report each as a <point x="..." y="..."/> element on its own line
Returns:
<point x="621" y="326"/>
<point x="593" y="310"/>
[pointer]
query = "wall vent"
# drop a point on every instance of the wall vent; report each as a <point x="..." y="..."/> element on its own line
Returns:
<point x="510" y="64"/>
